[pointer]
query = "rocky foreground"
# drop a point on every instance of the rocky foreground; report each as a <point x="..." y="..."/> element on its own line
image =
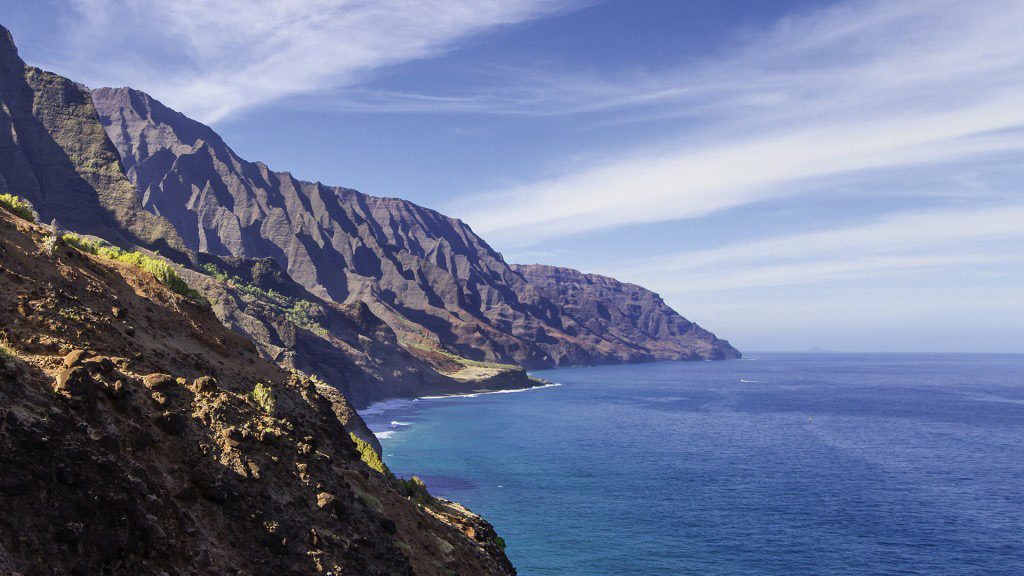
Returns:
<point x="140" y="436"/>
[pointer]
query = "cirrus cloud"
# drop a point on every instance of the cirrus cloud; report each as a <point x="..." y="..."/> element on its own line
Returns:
<point x="214" y="59"/>
<point x="858" y="87"/>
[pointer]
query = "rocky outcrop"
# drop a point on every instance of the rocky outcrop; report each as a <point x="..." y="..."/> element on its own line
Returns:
<point x="634" y="318"/>
<point x="140" y="436"/>
<point x="429" y="277"/>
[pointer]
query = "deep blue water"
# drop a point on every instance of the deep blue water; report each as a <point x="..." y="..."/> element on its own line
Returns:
<point x="778" y="464"/>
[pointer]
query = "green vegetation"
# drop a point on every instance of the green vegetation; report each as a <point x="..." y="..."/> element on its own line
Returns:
<point x="369" y="500"/>
<point x="159" y="268"/>
<point x="216" y="273"/>
<point x="17" y="206"/>
<point x="499" y="542"/>
<point x="263" y="397"/>
<point x="414" y="489"/>
<point x="295" y="310"/>
<point x="368" y="455"/>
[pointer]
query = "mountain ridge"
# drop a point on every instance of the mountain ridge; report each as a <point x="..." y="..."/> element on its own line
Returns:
<point x="427" y="275"/>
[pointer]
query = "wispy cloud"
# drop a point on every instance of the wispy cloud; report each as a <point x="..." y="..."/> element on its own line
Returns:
<point x="900" y="244"/>
<point x="213" y="59"/>
<point x="858" y="87"/>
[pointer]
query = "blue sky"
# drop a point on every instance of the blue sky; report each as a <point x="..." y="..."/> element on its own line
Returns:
<point x="792" y="175"/>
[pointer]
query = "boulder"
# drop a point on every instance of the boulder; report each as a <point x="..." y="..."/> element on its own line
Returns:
<point x="74" y="382"/>
<point x="74" y="358"/>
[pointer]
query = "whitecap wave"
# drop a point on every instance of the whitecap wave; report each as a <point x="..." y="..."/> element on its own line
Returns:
<point x="378" y="408"/>
<point x="485" y="392"/>
<point x="531" y="389"/>
<point x="384" y="434"/>
<point x="748" y="381"/>
<point x="397" y="423"/>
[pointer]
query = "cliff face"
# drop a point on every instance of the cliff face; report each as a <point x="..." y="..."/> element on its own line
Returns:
<point x="436" y="283"/>
<point x="55" y="153"/>
<point x="630" y="316"/>
<point x="140" y="436"/>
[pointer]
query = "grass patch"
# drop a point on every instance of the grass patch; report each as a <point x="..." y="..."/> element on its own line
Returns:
<point x="368" y="455"/>
<point x="159" y="268"/>
<point x="18" y="207"/>
<point x="295" y="310"/>
<point x="263" y="397"/>
<point x="6" y="352"/>
<point x="369" y="500"/>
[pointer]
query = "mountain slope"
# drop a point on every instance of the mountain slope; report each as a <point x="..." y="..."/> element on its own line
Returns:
<point x="140" y="436"/>
<point x="346" y="345"/>
<point x="436" y="283"/>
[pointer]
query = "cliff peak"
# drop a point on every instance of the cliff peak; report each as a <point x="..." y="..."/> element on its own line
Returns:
<point x="9" y="58"/>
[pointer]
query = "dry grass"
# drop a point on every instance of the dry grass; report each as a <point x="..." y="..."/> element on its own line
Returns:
<point x="6" y="351"/>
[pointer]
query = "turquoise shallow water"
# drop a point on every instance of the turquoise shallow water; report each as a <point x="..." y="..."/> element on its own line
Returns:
<point x="777" y="464"/>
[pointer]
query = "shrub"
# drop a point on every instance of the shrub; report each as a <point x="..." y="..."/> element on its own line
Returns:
<point x="217" y="273"/>
<point x="415" y="489"/>
<point x="159" y="268"/>
<point x="499" y="542"/>
<point x="18" y="207"/>
<point x="263" y="397"/>
<point x="6" y="352"/>
<point x="369" y="500"/>
<point x="297" y="311"/>
<point x="50" y="245"/>
<point x="368" y="455"/>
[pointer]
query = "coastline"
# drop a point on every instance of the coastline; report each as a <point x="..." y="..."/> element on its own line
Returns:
<point x="499" y="379"/>
<point x="381" y="407"/>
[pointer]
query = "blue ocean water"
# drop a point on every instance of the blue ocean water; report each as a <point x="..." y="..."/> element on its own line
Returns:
<point x="777" y="464"/>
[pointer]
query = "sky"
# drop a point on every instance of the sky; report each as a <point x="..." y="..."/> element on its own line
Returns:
<point x="792" y="175"/>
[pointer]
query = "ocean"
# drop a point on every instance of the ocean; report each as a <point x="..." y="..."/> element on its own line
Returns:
<point x="777" y="464"/>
